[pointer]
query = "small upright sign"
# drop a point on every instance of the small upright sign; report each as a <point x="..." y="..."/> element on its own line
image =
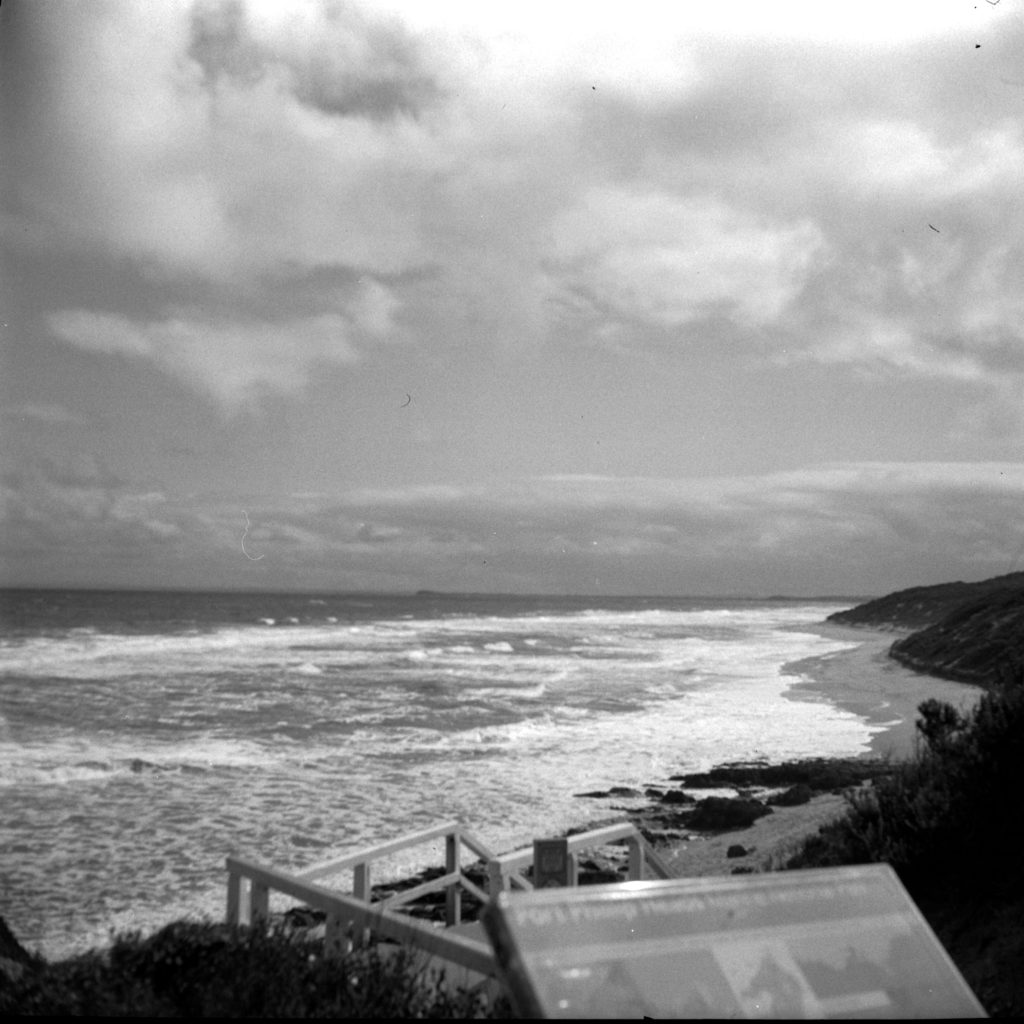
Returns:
<point x="553" y="865"/>
<point x="834" y="942"/>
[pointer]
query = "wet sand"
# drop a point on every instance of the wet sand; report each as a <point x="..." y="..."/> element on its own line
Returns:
<point x="863" y="680"/>
<point x="866" y="681"/>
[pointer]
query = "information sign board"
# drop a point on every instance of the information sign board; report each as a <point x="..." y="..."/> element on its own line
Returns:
<point x="832" y="942"/>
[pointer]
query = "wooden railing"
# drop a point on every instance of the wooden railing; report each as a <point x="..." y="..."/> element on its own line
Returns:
<point x="505" y="870"/>
<point x="351" y="920"/>
<point x="453" y="881"/>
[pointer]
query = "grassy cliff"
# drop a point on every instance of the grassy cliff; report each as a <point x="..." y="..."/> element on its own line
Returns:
<point x="919" y="607"/>
<point x="970" y="632"/>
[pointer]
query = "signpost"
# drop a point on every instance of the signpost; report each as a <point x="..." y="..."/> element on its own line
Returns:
<point x="835" y="942"/>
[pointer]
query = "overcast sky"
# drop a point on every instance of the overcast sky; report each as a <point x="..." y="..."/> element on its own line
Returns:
<point x="692" y="298"/>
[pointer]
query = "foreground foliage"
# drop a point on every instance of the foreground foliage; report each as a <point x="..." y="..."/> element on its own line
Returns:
<point x="211" y="970"/>
<point x="947" y="822"/>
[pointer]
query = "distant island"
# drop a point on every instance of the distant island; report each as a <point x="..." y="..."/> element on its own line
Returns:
<point x="968" y="632"/>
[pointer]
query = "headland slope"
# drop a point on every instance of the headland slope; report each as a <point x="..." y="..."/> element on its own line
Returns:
<point x="968" y="632"/>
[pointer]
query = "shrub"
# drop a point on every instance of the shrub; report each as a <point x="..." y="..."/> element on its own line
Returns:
<point x="940" y="818"/>
<point x="209" y="970"/>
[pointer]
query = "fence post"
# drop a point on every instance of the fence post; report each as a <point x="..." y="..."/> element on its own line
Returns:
<point x="362" y="890"/>
<point x="453" y="894"/>
<point x="259" y="903"/>
<point x="234" y="896"/>
<point x="636" y="859"/>
<point x="335" y="940"/>
<point x="361" y="881"/>
<point x="496" y="879"/>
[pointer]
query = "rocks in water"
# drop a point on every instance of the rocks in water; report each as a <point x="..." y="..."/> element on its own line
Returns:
<point x="676" y="796"/>
<point x="626" y="791"/>
<point x="736" y="850"/>
<point x="819" y="774"/>
<point x="720" y="814"/>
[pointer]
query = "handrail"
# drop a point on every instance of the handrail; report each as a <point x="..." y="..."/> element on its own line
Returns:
<point x="337" y="864"/>
<point x="504" y="870"/>
<point x="348" y="912"/>
<point x="453" y="881"/>
<point x="355" y="914"/>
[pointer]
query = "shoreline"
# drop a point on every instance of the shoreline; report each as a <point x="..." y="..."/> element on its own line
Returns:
<point x="864" y="680"/>
<point x="861" y="680"/>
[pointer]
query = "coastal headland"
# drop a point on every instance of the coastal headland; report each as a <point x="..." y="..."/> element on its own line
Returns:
<point x="931" y="730"/>
<point x="758" y="816"/>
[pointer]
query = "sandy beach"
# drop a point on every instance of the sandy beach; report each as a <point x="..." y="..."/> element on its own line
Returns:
<point x="866" y="681"/>
<point x="768" y="840"/>
<point x="863" y="680"/>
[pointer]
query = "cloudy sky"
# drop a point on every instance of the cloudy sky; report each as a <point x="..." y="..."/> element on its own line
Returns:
<point x="691" y="298"/>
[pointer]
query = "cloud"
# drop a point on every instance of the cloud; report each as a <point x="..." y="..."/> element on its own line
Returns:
<point x="50" y="414"/>
<point x="521" y="178"/>
<point x="233" y="361"/>
<point x="844" y="528"/>
<point x="180" y="136"/>
<point x="674" y="260"/>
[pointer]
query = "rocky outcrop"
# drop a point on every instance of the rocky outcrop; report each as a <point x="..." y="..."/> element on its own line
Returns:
<point x="920" y="607"/>
<point x="723" y="814"/>
<point x="818" y="774"/>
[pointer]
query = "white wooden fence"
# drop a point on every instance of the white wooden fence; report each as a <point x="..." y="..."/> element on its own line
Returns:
<point x="352" y="919"/>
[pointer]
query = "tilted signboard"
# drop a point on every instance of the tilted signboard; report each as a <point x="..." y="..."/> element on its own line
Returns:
<point x="834" y="942"/>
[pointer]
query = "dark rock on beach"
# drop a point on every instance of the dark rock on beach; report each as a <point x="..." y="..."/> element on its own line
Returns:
<point x="821" y="775"/>
<point x="720" y="813"/>
<point x="801" y="793"/>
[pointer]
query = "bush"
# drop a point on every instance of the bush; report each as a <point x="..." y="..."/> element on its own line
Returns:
<point x="944" y="817"/>
<point x="209" y="970"/>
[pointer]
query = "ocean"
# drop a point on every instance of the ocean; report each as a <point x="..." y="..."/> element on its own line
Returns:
<point x="144" y="736"/>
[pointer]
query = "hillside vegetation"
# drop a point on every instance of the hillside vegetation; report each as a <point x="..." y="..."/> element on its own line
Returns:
<point x="946" y="820"/>
<point x="196" y="969"/>
<point x="919" y="607"/>
<point x="973" y="643"/>
<point x="970" y="632"/>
